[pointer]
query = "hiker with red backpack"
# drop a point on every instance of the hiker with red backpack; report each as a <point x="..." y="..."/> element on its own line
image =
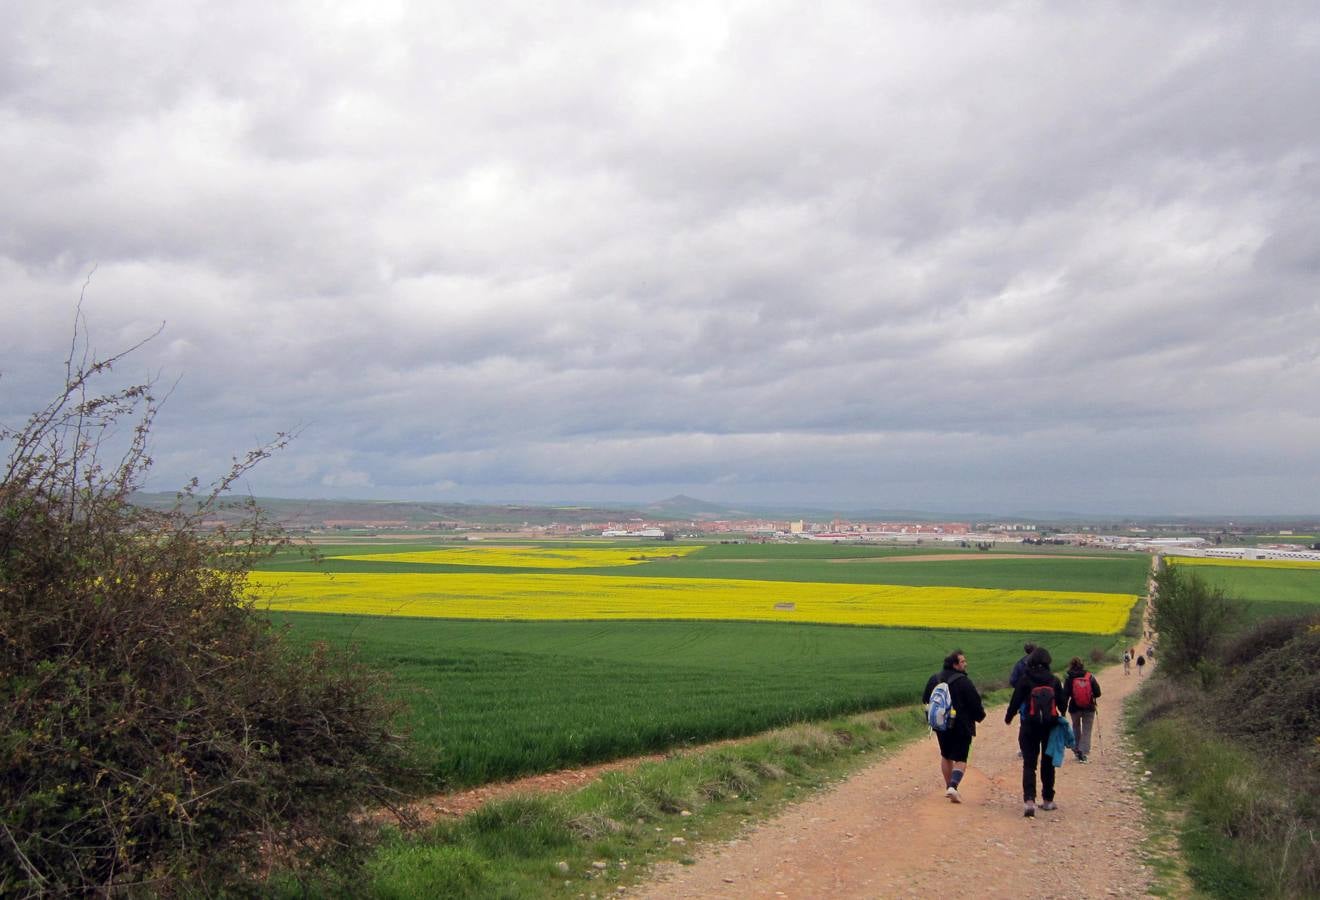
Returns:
<point x="1080" y="691"/>
<point x="953" y="707"/>
<point x="1038" y="698"/>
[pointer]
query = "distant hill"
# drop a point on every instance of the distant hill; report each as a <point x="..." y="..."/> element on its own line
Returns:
<point x="683" y="506"/>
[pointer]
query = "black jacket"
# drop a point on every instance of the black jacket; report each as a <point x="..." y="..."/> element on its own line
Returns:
<point x="1074" y="674"/>
<point x="1034" y="677"/>
<point x="966" y="699"/>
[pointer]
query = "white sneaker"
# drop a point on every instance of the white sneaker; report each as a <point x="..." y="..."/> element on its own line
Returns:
<point x="1049" y="804"/>
<point x="952" y="794"/>
<point x="1029" y="809"/>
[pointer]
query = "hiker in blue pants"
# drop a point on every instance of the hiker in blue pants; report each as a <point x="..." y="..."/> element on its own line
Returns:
<point x="1038" y="698"/>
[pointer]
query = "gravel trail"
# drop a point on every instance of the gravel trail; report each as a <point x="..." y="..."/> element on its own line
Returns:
<point x="889" y="831"/>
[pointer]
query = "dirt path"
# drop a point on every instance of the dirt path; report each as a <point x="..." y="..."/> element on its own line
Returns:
<point x="889" y="831"/>
<point x="459" y="803"/>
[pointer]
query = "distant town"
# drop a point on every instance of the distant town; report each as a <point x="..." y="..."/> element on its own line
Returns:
<point x="681" y="518"/>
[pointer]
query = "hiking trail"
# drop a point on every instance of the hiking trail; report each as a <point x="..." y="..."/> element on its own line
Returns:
<point x="889" y="831"/>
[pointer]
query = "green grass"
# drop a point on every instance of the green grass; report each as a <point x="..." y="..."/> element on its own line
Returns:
<point x="820" y="550"/>
<point x="1115" y="575"/>
<point x="1226" y="792"/>
<point x="493" y="700"/>
<point x="1267" y="592"/>
<point x="602" y="838"/>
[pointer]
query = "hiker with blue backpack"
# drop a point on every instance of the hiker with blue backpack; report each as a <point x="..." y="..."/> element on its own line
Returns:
<point x="953" y="707"/>
<point x="1038" y="698"/>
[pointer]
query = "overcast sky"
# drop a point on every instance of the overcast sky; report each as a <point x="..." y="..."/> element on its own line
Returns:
<point x="946" y="256"/>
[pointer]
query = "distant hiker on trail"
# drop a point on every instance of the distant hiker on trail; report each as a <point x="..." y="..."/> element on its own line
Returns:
<point x="1080" y="692"/>
<point x="1021" y="665"/>
<point x="1038" y="698"/>
<point x="1127" y="663"/>
<point x="1141" y="666"/>
<point x="953" y="707"/>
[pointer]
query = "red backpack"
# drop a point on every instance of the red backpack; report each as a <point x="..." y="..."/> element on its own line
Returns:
<point x="1041" y="708"/>
<point x="1082" y="696"/>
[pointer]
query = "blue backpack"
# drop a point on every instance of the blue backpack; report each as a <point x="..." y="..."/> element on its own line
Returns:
<point x="941" y="713"/>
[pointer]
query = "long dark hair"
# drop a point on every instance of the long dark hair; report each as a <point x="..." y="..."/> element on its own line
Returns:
<point x="1039" y="658"/>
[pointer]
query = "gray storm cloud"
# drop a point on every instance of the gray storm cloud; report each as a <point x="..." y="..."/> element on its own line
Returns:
<point x="938" y="255"/>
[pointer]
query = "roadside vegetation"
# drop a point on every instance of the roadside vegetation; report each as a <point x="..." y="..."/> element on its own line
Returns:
<point x="156" y="734"/>
<point x="604" y="836"/>
<point x="1231" y="727"/>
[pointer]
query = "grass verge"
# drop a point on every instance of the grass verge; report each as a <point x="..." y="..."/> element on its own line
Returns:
<point x="1164" y="820"/>
<point x="608" y="834"/>
<point x="1245" y="831"/>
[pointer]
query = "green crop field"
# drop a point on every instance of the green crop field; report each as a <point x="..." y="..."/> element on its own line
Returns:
<point x="831" y="563"/>
<point x="1267" y="592"/>
<point x="492" y="700"/>
<point x="495" y="699"/>
<point x="1117" y="575"/>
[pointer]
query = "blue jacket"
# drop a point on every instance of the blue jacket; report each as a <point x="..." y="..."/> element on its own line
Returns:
<point x="1018" y="668"/>
<point x="1061" y="738"/>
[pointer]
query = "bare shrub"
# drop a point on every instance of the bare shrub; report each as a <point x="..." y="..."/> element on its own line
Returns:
<point x="154" y="729"/>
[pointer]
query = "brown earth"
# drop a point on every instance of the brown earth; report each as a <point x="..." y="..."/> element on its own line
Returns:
<point x="460" y="803"/>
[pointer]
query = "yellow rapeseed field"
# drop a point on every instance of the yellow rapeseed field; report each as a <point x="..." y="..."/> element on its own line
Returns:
<point x="1244" y="563"/>
<point x="533" y="596"/>
<point x="540" y="556"/>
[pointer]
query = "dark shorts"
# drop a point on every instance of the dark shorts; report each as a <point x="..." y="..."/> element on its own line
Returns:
<point x="954" y="745"/>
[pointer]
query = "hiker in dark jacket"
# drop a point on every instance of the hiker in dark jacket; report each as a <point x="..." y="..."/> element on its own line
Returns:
<point x="1032" y="737"/>
<point x="1018" y="668"/>
<point x="956" y="743"/>
<point x="1021" y="665"/>
<point x="1082" y="713"/>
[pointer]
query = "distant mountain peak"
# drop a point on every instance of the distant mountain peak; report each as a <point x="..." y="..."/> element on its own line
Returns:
<point x="684" y="503"/>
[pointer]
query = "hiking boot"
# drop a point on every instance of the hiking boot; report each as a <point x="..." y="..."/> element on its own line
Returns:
<point x="1049" y="804"/>
<point x="1081" y="757"/>
<point x="952" y="794"/>
<point x="1029" y="809"/>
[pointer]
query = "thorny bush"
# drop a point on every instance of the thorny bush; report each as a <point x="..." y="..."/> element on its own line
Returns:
<point x="156" y="734"/>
